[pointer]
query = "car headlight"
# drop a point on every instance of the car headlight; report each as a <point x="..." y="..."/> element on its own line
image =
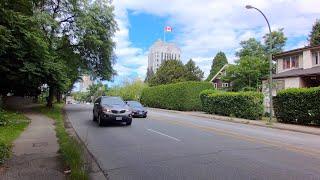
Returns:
<point x="106" y="110"/>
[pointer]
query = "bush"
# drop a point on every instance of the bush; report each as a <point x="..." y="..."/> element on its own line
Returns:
<point x="4" y="152"/>
<point x="298" y="105"/>
<point x="4" y="120"/>
<point x="180" y="96"/>
<point x="247" y="105"/>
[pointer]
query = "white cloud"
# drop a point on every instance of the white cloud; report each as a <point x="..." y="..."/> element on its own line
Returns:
<point x="208" y="26"/>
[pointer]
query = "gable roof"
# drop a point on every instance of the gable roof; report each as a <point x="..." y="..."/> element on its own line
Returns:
<point x="216" y="75"/>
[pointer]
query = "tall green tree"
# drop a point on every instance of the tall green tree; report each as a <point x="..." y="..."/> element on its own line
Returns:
<point x="314" y="36"/>
<point x="278" y="41"/>
<point x="171" y="71"/>
<point x="23" y="49"/>
<point x="193" y="72"/>
<point x="251" y="47"/>
<point x="149" y="75"/>
<point x="247" y="72"/>
<point x="217" y="63"/>
<point x="79" y="34"/>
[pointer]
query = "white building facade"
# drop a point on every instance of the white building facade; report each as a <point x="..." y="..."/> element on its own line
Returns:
<point x="161" y="51"/>
<point x="85" y="83"/>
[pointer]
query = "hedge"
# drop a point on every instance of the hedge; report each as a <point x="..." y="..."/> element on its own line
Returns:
<point x="182" y="96"/>
<point x="298" y="105"/>
<point x="247" y="105"/>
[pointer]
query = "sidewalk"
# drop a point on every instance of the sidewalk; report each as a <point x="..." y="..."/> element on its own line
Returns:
<point x="35" y="152"/>
<point x="275" y="125"/>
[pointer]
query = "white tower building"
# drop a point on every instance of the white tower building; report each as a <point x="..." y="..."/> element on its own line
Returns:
<point x="85" y="83"/>
<point x="161" y="51"/>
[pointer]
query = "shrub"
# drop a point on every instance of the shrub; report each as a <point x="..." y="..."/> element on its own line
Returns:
<point x="4" y="120"/>
<point x="4" y="152"/>
<point x="298" y="105"/>
<point x="247" y="105"/>
<point x="180" y="96"/>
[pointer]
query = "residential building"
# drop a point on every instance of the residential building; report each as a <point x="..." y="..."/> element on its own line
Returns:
<point x="85" y="83"/>
<point x="297" y="68"/>
<point x="161" y="51"/>
<point x="216" y="80"/>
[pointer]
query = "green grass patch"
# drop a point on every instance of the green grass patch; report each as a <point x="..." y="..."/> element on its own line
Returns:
<point x="15" y="124"/>
<point x="70" y="149"/>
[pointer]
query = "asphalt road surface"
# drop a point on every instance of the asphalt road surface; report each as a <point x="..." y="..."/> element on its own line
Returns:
<point x="176" y="146"/>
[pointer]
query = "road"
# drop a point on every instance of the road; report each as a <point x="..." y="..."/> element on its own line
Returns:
<point x="176" y="146"/>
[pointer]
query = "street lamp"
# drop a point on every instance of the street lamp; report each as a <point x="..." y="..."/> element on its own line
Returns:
<point x="270" y="61"/>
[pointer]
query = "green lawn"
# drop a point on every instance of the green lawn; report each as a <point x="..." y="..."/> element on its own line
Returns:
<point x="70" y="149"/>
<point x="17" y="122"/>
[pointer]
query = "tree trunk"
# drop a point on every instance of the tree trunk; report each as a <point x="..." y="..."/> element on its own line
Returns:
<point x="58" y="96"/>
<point x="50" y="97"/>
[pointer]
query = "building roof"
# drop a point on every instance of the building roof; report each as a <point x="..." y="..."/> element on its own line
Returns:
<point x="298" y="72"/>
<point x="216" y="75"/>
<point x="164" y="47"/>
<point x="294" y="51"/>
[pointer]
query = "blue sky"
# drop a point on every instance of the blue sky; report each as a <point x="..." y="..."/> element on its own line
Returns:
<point x="202" y="28"/>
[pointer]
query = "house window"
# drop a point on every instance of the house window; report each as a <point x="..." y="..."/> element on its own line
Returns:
<point x="215" y="85"/>
<point x="291" y="62"/>
<point x="315" y="58"/>
<point x="295" y="62"/>
<point x="225" y="84"/>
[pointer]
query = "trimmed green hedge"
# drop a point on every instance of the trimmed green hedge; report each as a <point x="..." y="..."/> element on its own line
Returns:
<point x="182" y="96"/>
<point x="247" y="105"/>
<point x="298" y="105"/>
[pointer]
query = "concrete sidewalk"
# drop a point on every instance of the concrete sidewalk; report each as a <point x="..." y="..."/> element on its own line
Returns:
<point x="35" y="152"/>
<point x="275" y="125"/>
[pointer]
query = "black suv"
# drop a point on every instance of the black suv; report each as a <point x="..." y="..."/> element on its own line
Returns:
<point x="108" y="109"/>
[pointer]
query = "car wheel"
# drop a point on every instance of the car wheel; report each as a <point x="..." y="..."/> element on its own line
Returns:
<point x="94" y="117"/>
<point x="144" y="116"/>
<point x="100" y="122"/>
<point x="128" y="123"/>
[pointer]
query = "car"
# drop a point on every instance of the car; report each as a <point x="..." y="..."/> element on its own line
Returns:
<point x="111" y="109"/>
<point x="137" y="109"/>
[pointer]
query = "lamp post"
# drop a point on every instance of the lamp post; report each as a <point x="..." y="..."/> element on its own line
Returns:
<point x="270" y="60"/>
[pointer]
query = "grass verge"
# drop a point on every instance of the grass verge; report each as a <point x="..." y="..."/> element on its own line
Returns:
<point x="15" y="124"/>
<point x="70" y="148"/>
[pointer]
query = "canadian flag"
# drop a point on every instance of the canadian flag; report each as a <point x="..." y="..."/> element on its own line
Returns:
<point x="168" y="29"/>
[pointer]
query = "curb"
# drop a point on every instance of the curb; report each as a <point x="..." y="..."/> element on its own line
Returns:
<point x="238" y="120"/>
<point x="95" y="171"/>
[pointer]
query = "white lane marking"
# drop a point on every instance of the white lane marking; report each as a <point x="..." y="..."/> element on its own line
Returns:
<point x="163" y="134"/>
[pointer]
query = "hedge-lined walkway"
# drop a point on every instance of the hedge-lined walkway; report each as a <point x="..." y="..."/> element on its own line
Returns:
<point x="276" y="125"/>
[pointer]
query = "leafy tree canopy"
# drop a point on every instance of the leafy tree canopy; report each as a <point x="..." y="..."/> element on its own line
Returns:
<point x="217" y="63"/>
<point x="193" y="72"/>
<point x="314" y="36"/>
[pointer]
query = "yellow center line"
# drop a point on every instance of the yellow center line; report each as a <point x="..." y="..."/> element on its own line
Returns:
<point x="305" y="151"/>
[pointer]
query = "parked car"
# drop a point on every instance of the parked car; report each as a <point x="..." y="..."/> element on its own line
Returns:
<point x="110" y="109"/>
<point x="137" y="109"/>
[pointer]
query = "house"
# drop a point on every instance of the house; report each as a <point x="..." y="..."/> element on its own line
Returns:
<point x="296" y="68"/>
<point x="217" y="82"/>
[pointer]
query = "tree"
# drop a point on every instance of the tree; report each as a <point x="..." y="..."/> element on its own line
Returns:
<point x="149" y="75"/>
<point x="23" y="49"/>
<point x="217" y="63"/>
<point x="247" y="72"/>
<point x="193" y="72"/>
<point x="170" y="71"/>
<point x="314" y="36"/>
<point x="278" y="41"/>
<point x="79" y="34"/>
<point x="251" y="47"/>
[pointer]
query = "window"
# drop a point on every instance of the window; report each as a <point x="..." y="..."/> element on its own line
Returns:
<point x="295" y="62"/>
<point x="291" y="62"/>
<point x="215" y="85"/>
<point x="316" y="58"/>
<point x="225" y="84"/>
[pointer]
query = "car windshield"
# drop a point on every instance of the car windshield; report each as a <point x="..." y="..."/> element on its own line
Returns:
<point x="112" y="101"/>
<point x="134" y="104"/>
